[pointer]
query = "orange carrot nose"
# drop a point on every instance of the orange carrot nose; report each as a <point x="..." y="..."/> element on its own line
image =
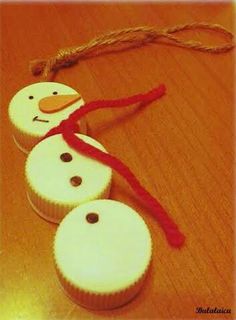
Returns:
<point x="56" y="103"/>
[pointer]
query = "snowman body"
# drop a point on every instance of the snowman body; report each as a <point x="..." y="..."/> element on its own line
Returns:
<point x="102" y="254"/>
<point x="58" y="178"/>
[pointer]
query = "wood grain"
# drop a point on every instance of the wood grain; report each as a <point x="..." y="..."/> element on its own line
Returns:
<point x="181" y="149"/>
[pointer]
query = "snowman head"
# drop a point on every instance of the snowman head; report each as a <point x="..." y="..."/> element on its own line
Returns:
<point x="37" y="108"/>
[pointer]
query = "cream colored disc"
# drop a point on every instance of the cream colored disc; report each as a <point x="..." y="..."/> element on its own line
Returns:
<point x="59" y="178"/>
<point x="37" y="108"/>
<point x="102" y="252"/>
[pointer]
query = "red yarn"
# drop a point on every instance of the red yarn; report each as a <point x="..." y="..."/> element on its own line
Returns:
<point x="99" y="104"/>
<point x="67" y="128"/>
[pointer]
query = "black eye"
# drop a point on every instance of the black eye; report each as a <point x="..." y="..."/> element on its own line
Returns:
<point x="66" y="157"/>
<point x="55" y="92"/>
<point x="31" y="97"/>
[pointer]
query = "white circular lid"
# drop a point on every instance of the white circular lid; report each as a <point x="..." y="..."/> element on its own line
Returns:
<point x="102" y="246"/>
<point x="52" y="178"/>
<point x="24" y="107"/>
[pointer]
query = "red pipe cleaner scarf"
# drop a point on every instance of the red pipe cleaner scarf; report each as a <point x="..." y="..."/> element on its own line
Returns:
<point x="68" y="128"/>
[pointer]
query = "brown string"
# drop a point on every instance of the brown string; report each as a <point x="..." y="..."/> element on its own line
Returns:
<point x="126" y="39"/>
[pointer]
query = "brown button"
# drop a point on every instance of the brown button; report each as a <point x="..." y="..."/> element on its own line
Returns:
<point x="66" y="157"/>
<point x="92" y="217"/>
<point x="76" y="181"/>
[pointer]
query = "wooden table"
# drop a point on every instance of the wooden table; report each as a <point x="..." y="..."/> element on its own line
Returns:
<point x="180" y="148"/>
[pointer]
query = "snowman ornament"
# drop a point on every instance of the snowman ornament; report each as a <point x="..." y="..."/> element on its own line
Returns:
<point x="102" y="248"/>
<point x="39" y="107"/>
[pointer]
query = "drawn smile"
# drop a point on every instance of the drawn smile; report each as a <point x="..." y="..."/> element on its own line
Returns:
<point x="36" y="118"/>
